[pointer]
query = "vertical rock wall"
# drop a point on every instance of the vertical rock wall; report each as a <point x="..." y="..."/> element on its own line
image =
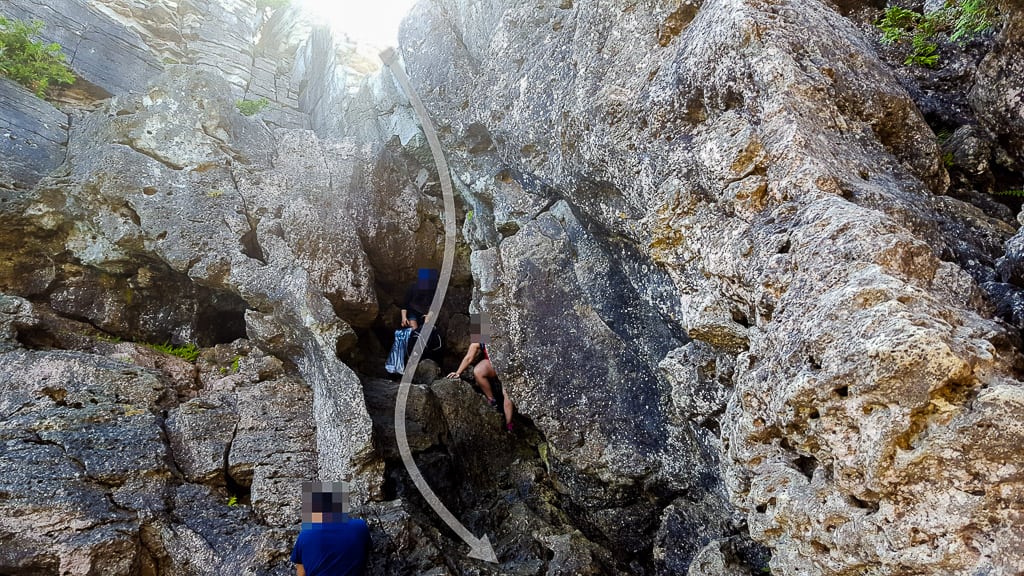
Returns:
<point x="729" y="296"/>
<point x="760" y="156"/>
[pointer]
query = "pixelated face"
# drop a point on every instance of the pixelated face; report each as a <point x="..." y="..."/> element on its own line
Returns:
<point x="480" y="325"/>
<point x="324" y="501"/>
<point x="426" y="278"/>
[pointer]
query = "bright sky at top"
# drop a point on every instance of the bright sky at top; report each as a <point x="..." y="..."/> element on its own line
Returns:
<point x="372" y="22"/>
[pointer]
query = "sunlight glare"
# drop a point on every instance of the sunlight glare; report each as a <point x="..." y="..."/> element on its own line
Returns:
<point x="374" y="23"/>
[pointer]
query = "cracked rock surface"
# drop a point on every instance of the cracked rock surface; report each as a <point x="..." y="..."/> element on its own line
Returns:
<point x="99" y="472"/>
<point x="754" y="311"/>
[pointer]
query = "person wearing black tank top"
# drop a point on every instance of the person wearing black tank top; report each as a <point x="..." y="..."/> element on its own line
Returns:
<point x="483" y="372"/>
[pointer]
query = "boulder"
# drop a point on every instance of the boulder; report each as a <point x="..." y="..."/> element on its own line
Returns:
<point x="200" y="432"/>
<point x="92" y="426"/>
<point x="424" y="421"/>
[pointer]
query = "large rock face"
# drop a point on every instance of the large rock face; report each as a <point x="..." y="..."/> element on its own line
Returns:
<point x="108" y="466"/>
<point x="181" y="178"/>
<point x="740" y="320"/>
<point x="761" y="157"/>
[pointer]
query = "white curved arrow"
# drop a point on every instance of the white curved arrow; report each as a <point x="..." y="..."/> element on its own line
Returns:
<point x="480" y="548"/>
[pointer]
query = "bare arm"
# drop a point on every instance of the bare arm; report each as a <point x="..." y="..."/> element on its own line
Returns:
<point x="470" y="355"/>
<point x="300" y="570"/>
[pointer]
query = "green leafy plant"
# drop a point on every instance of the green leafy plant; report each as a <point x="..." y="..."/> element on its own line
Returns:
<point x="215" y="193"/>
<point x="896" y="23"/>
<point x="973" y="17"/>
<point x="922" y="52"/>
<point x="188" y="352"/>
<point x="961" y="19"/>
<point x="1017" y="193"/>
<point x="29" y="61"/>
<point x="250" y="107"/>
<point x="947" y="159"/>
<point x="234" y="364"/>
<point x="232" y="501"/>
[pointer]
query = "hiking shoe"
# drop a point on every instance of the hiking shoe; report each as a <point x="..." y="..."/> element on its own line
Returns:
<point x="509" y="427"/>
<point x="493" y="403"/>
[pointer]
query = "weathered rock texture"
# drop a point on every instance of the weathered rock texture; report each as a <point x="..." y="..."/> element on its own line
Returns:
<point x="174" y="218"/>
<point x="743" y="325"/>
<point x="34" y="134"/>
<point x="761" y="157"/>
<point x="108" y="467"/>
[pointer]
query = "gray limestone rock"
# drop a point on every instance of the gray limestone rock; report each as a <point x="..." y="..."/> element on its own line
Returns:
<point x="15" y="314"/>
<point x="32" y="136"/>
<point x="271" y="451"/>
<point x="767" y="161"/>
<point x="211" y="536"/>
<point x="178" y="177"/>
<point x="99" y="48"/>
<point x="997" y="95"/>
<point x="729" y="300"/>
<point x="424" y="421"/>
<point x="200" y="432"/>
<point x="83" y="462"/>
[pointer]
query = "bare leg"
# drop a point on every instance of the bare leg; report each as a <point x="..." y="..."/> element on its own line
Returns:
<point x="508" y="409"/>
<point x="483" y="372"/>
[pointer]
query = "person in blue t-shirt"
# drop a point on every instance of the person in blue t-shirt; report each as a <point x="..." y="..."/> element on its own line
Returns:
<point x="331" y="543"/>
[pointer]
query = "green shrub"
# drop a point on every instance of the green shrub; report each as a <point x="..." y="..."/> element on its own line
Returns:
<point x="187" y="352"/>
<point x="972" y="17"/>
<point x="28" y="61"/>
<point x="250" y="107"/>
<point x="896" y="23"/>
<point x="922" y="52"/>
<point x="961" y="19"/>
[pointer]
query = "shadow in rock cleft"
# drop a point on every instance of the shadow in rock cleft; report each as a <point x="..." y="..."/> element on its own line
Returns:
<point x="496" y="483"/>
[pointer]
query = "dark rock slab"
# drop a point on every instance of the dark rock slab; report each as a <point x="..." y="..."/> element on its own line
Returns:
<point x="998" y="94"/>
<point x="33" y="136"/>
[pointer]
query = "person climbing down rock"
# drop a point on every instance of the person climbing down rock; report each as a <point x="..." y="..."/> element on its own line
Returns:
<point x="415" y="312"/>
<point x="483" y="372"/>
<point x="331" y="543"/>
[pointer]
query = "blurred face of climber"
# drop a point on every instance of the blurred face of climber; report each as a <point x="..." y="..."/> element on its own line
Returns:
<point x="324" y="502"/>
<point x="426" y="278"/>
<point x="480" y="328"/>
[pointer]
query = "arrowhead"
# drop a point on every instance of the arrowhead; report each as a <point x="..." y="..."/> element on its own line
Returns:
<point x="482" y="550"/>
